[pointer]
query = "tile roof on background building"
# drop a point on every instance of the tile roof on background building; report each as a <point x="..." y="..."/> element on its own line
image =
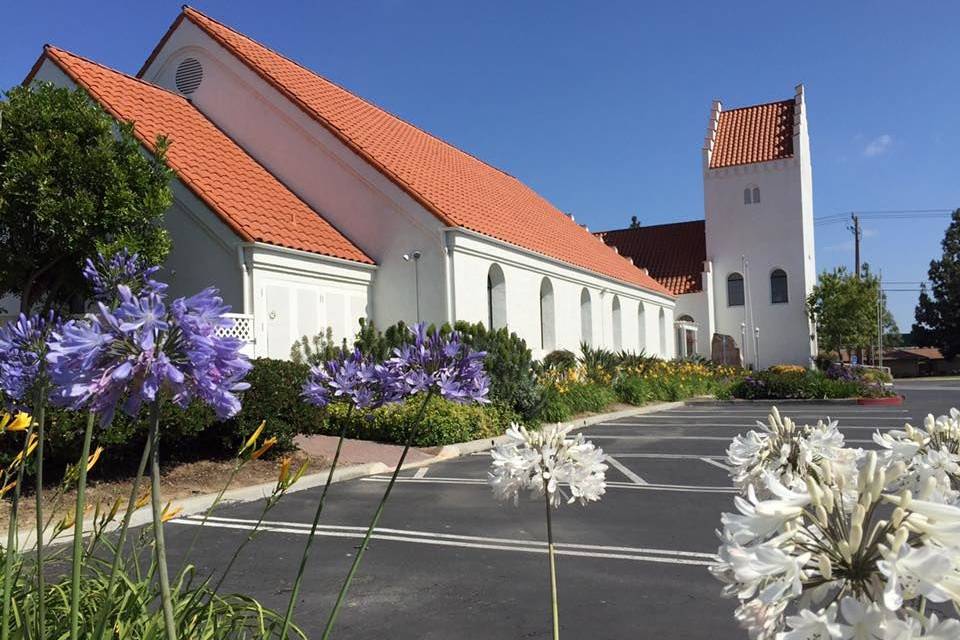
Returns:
<point x="673" y="253"/>
<point x="456" y="187"/>
<point x="754" y="134"/>
<point x="245" y="195"/>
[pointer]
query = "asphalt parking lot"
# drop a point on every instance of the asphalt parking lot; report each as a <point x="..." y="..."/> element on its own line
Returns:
<point x="450" y="562"/>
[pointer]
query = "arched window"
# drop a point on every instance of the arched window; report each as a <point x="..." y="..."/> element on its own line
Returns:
<point x="756" y="195"/>
<point x="686" y="336"/>
<point x="734" y="290"/>
<point x="496" y="298"/>
<point x="617" y="327"/>
<point x="548" y="338"/>
<point x="641" y="329"/>
<point x="586" y="318"/>
<point x="751" y="195"/>
<point x="662" y="329"/>
<point x="778" y="287"/>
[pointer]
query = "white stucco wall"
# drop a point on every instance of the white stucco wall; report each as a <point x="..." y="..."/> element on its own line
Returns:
<point x="775" y="233"/>
<point x="472" y="256"/>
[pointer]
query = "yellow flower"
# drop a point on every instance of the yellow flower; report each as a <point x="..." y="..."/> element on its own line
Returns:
<point x="20" y="422"/>
<point x="169" y="514"/>
<point x="284" y="469"/>
<point x="267" y="445"/>
<point x="252" y="440"/>
<point x="25" y="452"/>
<point x="67" y="522"/>
<point x="142" y="501"/>
<point x="92" y="460"/>
<point x="7" y="488"/>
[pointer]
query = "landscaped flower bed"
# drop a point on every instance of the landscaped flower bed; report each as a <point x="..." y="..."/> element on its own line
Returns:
<point x="781" y="383"/>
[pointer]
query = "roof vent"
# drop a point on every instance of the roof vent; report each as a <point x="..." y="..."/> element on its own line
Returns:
<point x="189" y="76"/>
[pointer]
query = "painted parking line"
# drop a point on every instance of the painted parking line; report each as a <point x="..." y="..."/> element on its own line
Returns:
<point x="791" y="412"/>
<point x="671" y="456"/>
<point x="638" y="554"/>
<point x="683" y="488"/>
<point x="421" y="472"/>
<point x="746" y="419"/>
<point x="703" y="438"/>
<point x="714" y="463"/>
<point x="732" y="425"/>
<point x="619" y="466"/>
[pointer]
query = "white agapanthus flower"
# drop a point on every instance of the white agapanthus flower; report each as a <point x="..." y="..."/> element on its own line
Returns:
<point x="789" y="451"/>
<point x="932" y="451"/>
<point x="543" y="460"/>
<point x="840" y="556"/>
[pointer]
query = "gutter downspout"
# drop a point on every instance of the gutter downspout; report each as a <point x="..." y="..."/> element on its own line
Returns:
<point x="245" y="277"/>
<point x="447" y="254"/>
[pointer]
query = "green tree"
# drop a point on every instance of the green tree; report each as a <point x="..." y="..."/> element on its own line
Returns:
<point x="844" y="309"/>
<point x="938" y="312"/>
<point x="73" y="181"/>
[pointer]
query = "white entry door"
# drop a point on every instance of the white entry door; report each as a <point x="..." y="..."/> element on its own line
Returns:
<point x="291" y="312"/>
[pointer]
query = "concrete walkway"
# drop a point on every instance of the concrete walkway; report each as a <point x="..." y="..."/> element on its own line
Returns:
<point x="359" y="451"/>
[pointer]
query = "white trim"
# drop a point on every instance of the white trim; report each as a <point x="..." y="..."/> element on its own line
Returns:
<point x="309" y="254"/>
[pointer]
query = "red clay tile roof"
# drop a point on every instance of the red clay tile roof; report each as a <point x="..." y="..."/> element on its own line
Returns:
<point x="673" y="253"/>
<point x="456" y="187"/>
<point x="754" y="134"/>
<point x="244" y="194"/>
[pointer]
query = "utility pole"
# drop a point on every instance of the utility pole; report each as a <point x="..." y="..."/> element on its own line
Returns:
<point x="855" y="228"/>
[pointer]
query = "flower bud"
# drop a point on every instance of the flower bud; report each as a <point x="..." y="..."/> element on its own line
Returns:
<point x="826" y="569"/>
<point x="899" y="538"/>
<point x="898" y="515"/>
<point x="814" y="491"/>
<point x="927" y="489"/>
<point x="856" y="536"/>
<point x="822" y="516"/>
<point x="844" y="548"/>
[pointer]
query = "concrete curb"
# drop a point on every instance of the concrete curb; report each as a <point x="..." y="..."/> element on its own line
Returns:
<point x="197" y="505"/>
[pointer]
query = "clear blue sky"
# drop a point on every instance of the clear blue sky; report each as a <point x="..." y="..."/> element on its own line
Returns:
<point x="601" y="107"/>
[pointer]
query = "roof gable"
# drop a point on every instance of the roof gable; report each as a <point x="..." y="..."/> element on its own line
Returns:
<point x="245" y="195"/>
<point x="673" y="253"/>
<point x="456" y="187"/>
<point x="759" y="133"/>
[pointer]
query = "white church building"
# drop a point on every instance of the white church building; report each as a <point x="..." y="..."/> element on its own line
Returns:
<point x="310" y="207"/>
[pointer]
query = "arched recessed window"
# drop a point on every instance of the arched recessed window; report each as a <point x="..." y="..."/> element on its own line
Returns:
<point x="496" y="298"/>
<point x="662" y="330"/>
<point x="756" y="195"/>
<point x="586" y="318"/>
<point x="686" y="336"/>
<point x="751" y="195"/>
<point x="641" y="329"/>
<point x="734" y="290"/>
<point x="617" y="326"/>
<point x="778" y="287"/>
<point x="548" y="338"/>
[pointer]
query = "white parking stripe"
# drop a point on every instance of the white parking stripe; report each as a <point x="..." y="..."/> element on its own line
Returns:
<point x="421" y="472"/>
<point x="619" y="466"/>
<point x="670" y="456"/>
<point x="669" y="437"/>
<point x="610" y="485"/>
<point x="733" y="425"/>
<point x="713" y="462"/>
<point x="753" y="419"/>
<point x="639" y="554"/>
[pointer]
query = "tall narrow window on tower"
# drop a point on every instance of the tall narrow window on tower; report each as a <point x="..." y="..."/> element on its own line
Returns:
<point x="735" y="290"/>
<point x="778" y="287"/>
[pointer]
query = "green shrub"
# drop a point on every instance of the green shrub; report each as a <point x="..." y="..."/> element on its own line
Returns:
<point x="581" y="397"/>
<point x="444" y="422"/>
<point x="634" y="390"/>
<point x="806" y="385"/>
<point x="560" y="360"/>
<point x="317" y="349"/>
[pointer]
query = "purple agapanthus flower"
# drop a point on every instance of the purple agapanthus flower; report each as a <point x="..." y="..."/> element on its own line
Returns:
<point x="24" y="343"/>
<point x="126" y="356"/>
<point x="444" y="364"/>
<point x="123" y="268"/>
<point x="353" y="378"/>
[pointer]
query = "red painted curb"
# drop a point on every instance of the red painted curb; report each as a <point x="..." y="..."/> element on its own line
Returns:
<point x="890" y="401"/>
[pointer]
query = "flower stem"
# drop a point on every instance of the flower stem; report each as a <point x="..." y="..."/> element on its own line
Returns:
<point x="78" y="531"/>
<point x="376" y="519"/>
<point x="158" y="543"/>
<point x="313" y="529"/>
<point x="553" y="567"/>
<point x="121" y="541"/>
<point x="41" y="408"/>
<point x="11" y="549"/>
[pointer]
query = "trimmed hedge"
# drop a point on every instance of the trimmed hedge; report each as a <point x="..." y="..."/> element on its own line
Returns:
<point x="805" y="385"/>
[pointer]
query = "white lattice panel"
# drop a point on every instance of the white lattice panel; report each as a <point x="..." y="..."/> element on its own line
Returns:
<point x="242" y="327"/>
